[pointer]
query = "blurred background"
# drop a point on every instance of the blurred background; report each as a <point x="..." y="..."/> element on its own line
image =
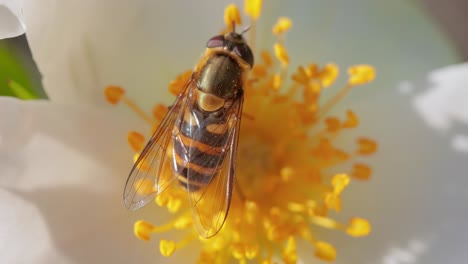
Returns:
<point x="20" y="77"/>
<point x="452" y="18"/>
<point x="142" y="47"/>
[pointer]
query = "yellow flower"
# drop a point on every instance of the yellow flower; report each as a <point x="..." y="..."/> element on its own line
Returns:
<point x="291" y="170"/>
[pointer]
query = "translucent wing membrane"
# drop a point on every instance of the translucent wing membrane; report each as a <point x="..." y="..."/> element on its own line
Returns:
<point x="152" y="173"/>
<point x="198" y="149"/>
<point x="210" y="194"/>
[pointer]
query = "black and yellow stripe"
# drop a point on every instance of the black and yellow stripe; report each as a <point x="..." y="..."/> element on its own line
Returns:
<point x="199" y="147"/>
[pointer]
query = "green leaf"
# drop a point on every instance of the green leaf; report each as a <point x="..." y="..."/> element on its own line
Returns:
<point x="20" y="91"/>
<point x="16" y="64"/>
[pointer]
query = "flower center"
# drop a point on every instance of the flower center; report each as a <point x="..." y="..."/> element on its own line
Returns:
<point x="282" y="189"/>
<point x="255" y="165"/>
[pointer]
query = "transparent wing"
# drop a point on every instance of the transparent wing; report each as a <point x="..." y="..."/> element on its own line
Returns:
<point x="152" y="173"/>
<point x="210" y="195"/>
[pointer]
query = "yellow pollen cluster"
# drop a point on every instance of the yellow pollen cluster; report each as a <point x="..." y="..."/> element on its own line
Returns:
<point x="286" y="181"/>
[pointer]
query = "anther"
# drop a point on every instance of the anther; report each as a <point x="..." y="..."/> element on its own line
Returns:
<point x="351" y="121"/>
<point x="167" y="247"/>
<point x="358" y="227"/>
<point x="253" y="8"/>
<point x="232" y="17"/>
<point x="143" y="230"/>
<point x="282" y="26"/>
<point x="289" y="254"/>
<point x="135" y="140"/>
<point x="361" y="171"/>
<point x="367" y="146"/>
<point x="281" y="54"/>
<point x="159" y="111"/>
<point x="361" y="74"/>
<point x="329" y="74"/>
<point x="325" y="251"/>
<point x="114" y="94"/>
<point x="333" y="124"/>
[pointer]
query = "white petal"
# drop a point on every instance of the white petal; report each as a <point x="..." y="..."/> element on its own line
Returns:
<point x="442" y="104"/>
<point x="65" y="168"/>
<point x="95" y="138"/>
<point x="82" y="46"/>
<point x="11" y="19"/>
<point x="367" y="31"/>
<point x="16" y="225"/>
<point x="416" y="198"/>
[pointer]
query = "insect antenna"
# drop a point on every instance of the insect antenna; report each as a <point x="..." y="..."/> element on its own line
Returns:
<point x="245" y="30"/>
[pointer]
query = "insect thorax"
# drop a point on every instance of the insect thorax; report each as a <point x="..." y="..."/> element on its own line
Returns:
<point x="221" y="76"/>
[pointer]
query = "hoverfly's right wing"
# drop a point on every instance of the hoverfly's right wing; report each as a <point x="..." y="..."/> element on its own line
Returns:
<point x="152" y="173"/>
<point x="210" y="197"/>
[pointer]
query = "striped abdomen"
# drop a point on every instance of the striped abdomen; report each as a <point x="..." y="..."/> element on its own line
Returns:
<point x="199" y="147"/>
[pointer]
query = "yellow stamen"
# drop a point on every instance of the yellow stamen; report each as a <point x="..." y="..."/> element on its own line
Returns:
<point x="284" y="186"/>
<point x="137" y="110"/>
<point x="289" y="254"/>
<point x="136" y="141"/>
<point x="358" y="227"/>
<point x="267" y="59"/>
<point x="333" y="101"/>
<point x="174" y="205"/>
<point x="162" y="199"/>
<point x="367" y="146"/>
<point x="325" y="251"/>
<point x="232" y="15"/>
<point x="361" y="171"/>
<point x="351" y="121"/>
<point x="333" y="124"/>
<point x="329" y="74"/>
<point x="177" y="86"/>
<point x="325" y="222"/>
<point x="333" y="201"/>
<point x="167" y="247"/>
<point x="282" y="26"/>
<point x="253" y="8"/>
<point x="339" y="182"/>
<point x="301" y="76"/>
<point x="142" y="165"/>
<point x="116" y="94"/>
<point x="361" y="74"/>
<point x="183" y="222"/>
<point x="286" y="173"/>
<point x="296" y="207"/>
<point x="259" y="71"/>
<point x="143" y="230"/>
<point x="281" y="54"/>
<point x="113" y="94"/>
<point x="251" y="213"/>
<point x="238" y="251"/>
<point x="144" y="186"/>
<point x="159" y="111"/>
<point x="277" y="82"/>
<point x="311" y="92"/>
<point x="312" y="71"/>
<point x="251" y="251"/>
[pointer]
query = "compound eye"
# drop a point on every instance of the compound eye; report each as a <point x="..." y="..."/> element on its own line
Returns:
<point x="215" y="42"/>
<point x="244" y="51"/>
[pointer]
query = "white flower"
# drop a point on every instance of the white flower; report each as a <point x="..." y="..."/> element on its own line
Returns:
<point x="11" y="19"/>
<point x="64" y="161"/>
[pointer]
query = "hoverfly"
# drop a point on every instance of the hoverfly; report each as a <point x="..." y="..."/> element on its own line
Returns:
<point x="195" y="144"/>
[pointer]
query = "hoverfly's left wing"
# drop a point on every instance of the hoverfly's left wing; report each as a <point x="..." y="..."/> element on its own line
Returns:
<point x="152" y="173"/>
<point x="210" y="199"/>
